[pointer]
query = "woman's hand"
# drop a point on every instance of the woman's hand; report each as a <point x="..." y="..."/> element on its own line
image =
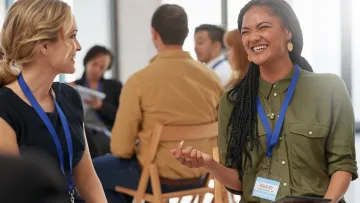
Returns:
<point x="191" y="157"/>
<point x="94" y="103"/>
<point x="194" y="158"/>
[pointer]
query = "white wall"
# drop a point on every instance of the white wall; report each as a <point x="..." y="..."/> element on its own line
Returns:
<point x="2" y="12"/>
<point x="135" y="45"/>
<point x="93" y="19"/>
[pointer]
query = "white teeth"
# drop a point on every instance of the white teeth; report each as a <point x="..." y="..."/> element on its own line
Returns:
<point x="258" y="48"/>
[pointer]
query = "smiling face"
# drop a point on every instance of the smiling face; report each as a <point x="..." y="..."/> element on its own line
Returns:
<point x="263" y="35"/>
<point x="60" y="54"/>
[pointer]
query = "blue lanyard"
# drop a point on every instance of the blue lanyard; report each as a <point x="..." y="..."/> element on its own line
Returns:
<point x="40" y="111"/>
<point x="218" y="63"/>
<point x="99" y="88"/>
<point x="272" y="137"/>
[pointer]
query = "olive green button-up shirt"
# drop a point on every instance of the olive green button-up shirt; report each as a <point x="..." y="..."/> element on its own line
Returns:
<point x="316" y="140"/>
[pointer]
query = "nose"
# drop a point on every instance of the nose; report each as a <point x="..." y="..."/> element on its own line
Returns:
<point x="254" y="37"/>
<point x="78" y="46"/>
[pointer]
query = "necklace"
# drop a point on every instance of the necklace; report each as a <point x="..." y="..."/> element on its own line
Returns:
<point x="270" y="114"/>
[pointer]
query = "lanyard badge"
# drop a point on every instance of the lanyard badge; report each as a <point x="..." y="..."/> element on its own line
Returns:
<point x="265" y="187"/>
<point x="40" y="111"/>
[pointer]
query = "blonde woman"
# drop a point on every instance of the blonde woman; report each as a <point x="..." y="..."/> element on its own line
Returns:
<point x="237" y="57"/>
<point x="38" y="40"/>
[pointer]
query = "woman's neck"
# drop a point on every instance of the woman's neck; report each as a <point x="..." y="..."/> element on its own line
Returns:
<point x="276" y="70"/>
<point x="39" y="79"/>
<point x="93" y="84"/>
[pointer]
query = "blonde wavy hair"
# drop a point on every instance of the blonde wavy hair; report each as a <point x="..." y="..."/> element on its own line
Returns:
<point x="28" y="24"/>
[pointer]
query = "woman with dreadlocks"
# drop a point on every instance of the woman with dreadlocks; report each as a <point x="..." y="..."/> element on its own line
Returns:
<point x="283" y="130"/>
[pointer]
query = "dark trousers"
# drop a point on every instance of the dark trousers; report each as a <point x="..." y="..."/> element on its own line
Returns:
<point x="114" y="171"/>
<point x="98" y="142"/>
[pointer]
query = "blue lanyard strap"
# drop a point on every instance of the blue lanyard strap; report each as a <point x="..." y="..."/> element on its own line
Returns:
<point x="218" y="63"/>
<point x="273" y="136"/>
<point x="40" y="111"/>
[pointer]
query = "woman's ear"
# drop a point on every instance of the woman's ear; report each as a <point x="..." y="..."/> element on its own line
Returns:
<point x="44" y="48"/>
<point x="289" y="36"/>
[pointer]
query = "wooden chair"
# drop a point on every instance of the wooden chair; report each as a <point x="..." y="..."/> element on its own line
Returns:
<point x="167" y="134"/>
<point x="221" y="194"/>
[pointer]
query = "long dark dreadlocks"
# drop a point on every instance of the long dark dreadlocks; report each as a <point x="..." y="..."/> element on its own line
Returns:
<point x="243" y="123"/>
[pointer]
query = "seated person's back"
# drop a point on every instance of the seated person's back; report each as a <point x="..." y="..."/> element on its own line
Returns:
<point x="173" y="89"/>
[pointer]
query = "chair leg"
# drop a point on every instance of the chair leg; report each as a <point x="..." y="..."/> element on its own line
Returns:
<point x="144" y="179"/>
<point x="193" y="199"/>
<point x="201" y="198"/>
<point x="225" y="195"/>
<point x="155" y="183"/>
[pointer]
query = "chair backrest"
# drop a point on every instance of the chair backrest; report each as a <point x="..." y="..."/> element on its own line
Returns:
<point x="188" y="132"/>
<point x="180" y="132"/>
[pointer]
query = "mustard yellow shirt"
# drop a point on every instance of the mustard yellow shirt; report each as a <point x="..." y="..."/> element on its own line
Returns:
<point x="173" y="89"/>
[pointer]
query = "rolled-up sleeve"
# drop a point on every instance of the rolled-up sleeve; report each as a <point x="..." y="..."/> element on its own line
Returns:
<point x="223" y="120"/>
<point x="340" y="146"/>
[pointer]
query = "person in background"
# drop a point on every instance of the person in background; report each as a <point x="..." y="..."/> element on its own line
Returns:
<point x="100" y="117"/>
<point x="209" y="47"/>
<point x="237" y="57"/>
<point x="283" y="126"/>
<point x="173" y="89"/>
<point x="38" y="40"/>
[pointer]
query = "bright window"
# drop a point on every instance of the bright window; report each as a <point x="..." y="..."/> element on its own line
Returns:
<point x="199" y="12"/>
<point x="356" y="58"/>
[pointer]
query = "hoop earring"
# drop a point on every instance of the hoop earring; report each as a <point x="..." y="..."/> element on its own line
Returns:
<point x="249" y="58"/>
<point x="290" y="46"/>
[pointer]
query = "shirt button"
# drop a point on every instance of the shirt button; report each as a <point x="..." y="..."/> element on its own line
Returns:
<point x="283" y="162"/>
<point x="275" y="94"/>
<point x="310" y="132"/>
<point x="274" y="85"/>
<point x="285" y="184"/>
<point x="280" y="138"/>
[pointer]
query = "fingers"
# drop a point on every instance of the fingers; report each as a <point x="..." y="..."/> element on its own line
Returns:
<point x="186" y="154"/>
<point x="193" y="158"/>
<point x="199" y="158"/>
<point x="180" y="148"/>
<point x="177" y="152"/>
<point x="189" y="156"/>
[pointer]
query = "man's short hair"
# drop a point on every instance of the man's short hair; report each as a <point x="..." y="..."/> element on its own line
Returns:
<point x="171" y="22"/>
<point x="216" y="33"/>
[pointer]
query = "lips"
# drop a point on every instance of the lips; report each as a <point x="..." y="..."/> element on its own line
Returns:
<point x="73" y="58"/>
<point x="259" y="48"/>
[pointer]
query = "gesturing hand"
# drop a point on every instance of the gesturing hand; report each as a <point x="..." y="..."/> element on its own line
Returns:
<point x="191" y="157"/>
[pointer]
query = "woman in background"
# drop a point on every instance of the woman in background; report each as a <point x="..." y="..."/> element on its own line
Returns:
<point x="38" y="40"/>
<point x="100" y="117"/>
<point x="237" y="57"/>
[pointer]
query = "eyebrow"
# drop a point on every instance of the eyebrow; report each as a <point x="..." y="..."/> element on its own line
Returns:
<point x="265" y="22"/>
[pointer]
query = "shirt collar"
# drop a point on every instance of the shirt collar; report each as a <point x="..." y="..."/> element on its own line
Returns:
<point x="281" y="86"/>
<point x="171" y="54"/>
<point x="211" y="63"/>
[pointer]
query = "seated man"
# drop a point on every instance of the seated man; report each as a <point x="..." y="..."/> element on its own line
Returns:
<point x="209" y="48"/>
<point x="173" y="89"/>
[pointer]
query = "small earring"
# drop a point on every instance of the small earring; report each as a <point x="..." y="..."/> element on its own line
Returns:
<point x="249" y="58"/>
<point x="290" y="46"/>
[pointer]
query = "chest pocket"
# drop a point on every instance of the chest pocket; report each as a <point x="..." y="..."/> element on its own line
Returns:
<point x="306" y="144"/>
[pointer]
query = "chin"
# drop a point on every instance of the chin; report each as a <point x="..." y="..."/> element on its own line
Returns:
<point x="259" y="62"/>
<point x="69" y="70"/>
